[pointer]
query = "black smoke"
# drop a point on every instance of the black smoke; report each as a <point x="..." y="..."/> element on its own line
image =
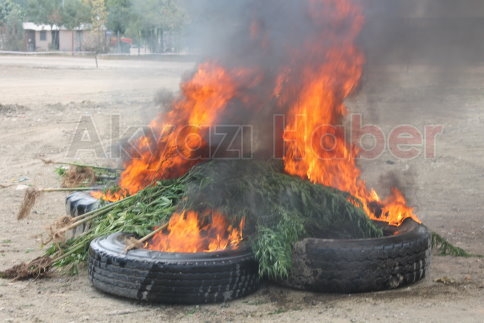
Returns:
<point x="270" y="36"/>
<point x="430" y="32"/>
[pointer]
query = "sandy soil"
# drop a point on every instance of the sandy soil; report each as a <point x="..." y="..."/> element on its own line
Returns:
<point x="42" y="100"/>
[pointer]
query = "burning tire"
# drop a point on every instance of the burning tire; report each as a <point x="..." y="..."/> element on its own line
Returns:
<point x="173" y="278"/>
<point x="399" y="258"/>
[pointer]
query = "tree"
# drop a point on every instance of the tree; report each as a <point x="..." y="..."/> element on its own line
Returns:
<point x="47" y="12"/>
<point x="99" y="17"/>
<point x="147" y="20"/>
<point x="60" y="13"/>
<point x="11" y="32"/>
<point x="75" y="13"/>
<point x="151" y="18"/>
<point x="99" y="14"/>
<point x="119" y="16"/>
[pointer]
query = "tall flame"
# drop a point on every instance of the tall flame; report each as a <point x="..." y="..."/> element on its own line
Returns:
<point x="316" y="148"/>
<point x="308" y="82"/>
<point x="175" y="140"/>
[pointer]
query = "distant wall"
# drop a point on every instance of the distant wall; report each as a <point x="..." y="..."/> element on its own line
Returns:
<point x="43" y="45"/>
<point x="65" y="40"/>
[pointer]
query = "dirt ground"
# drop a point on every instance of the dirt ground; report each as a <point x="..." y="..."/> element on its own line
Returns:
<point x="43" y="100"/>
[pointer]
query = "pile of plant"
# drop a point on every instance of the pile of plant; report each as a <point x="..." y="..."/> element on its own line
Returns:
<point x="278" y="209"/>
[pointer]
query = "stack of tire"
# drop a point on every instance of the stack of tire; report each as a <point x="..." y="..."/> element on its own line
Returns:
<point x="400" y="258"/>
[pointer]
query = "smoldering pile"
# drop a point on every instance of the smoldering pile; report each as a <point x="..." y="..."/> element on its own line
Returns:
<point x="279" y="209"/>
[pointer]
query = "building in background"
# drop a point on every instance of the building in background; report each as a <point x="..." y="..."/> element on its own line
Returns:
<point x="46" y="37"/>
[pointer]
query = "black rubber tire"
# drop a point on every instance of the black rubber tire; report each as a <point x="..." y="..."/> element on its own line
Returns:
<point x="78" y="203"/>
<point x="361" y="265"/>
<point x="171" y="278"/>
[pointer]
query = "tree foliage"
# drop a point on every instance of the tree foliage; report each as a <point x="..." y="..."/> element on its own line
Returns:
<point x="47" y="12"/>
<point x="152" y="18"/>
<point x="99" y="16"/>
<point x="75" y="13"/>
<point x="7" y="8"/>
<point x="119" y="14"/>
<point x="66" y="13"/>
<point x="147" y="21"/>
<point x="11" y="33"/>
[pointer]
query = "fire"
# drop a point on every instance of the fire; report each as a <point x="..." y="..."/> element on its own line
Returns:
<point x="316" y="148"/>
<point x="110" y="196"/>
<point x="188" y="232"/>
<point x="175" y="140"/>
<point x="307" y="82"/>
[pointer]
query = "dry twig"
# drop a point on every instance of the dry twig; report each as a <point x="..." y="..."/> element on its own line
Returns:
<point x="48" y="161"/>
<point x="55" y="234"/>
<point x="133" y="243"/>
<point x="63" y="225"/>
<point x="77" y="176"/>
<point x="32" y="194"/>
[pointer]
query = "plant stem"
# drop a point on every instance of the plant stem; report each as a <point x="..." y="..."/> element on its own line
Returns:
<point x="46" y="161"/>
<point x="91" y="215"/>
<point x="150" y="235"/>
<point x="135" y="244"/>
<point x="70" y="252"/>
<point x="66" y="189"/>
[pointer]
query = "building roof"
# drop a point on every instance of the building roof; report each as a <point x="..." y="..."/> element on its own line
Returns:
<point x="40" y="27"/>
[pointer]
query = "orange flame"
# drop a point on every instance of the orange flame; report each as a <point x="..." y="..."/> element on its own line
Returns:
<point x="176" y="139"/>
<point x="311" y="86"/>
<point x="110" y="196"/>
<point x="316" y="148"/>
<point x="186" y="233"/>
